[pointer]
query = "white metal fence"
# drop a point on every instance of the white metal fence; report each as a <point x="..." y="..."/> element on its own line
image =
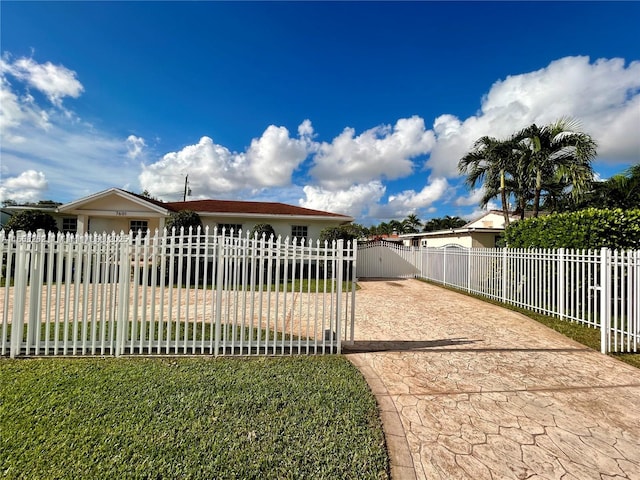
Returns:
<point x="168" y="293"/>
<point x="599" y="288"/>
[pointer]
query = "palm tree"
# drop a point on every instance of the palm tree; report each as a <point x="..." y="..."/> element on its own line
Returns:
<point x="556" y="156"/>
<point x="444" y="223"/>
<point x="453" y="222"/>
<point x="395" y="226"/>
<point x="491" y="163"/>
<point x="619" y="191"/>
<point x="411" y="224"/>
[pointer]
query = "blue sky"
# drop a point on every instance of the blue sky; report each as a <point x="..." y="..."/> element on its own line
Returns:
<point x="358" y="108"/>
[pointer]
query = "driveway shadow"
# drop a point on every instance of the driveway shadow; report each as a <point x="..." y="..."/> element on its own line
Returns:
<point x="402" y="345"/>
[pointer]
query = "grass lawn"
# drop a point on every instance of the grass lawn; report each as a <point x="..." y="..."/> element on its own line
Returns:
<point x="292" y="417"/>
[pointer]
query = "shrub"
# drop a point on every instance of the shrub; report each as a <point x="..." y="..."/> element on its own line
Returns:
<point x="184" y="219"/>
<point x="263" y="229"/>
<point x="31" y="221"/>
<point x="589" y="229"/>
<point x="343" y="232"/>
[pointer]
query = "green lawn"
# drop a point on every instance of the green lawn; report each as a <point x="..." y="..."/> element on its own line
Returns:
<point x="293" y="417"/>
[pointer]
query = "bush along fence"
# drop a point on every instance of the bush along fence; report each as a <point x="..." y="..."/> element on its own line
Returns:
<point x="174" y="293"/>
<point x="598" y="288"/>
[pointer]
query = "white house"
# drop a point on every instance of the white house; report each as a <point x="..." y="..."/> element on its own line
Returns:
<point x="116" y="210"/>
<point x="483" y="232"/>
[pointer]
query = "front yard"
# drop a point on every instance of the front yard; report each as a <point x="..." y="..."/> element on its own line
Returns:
<point x="291" y="417"/>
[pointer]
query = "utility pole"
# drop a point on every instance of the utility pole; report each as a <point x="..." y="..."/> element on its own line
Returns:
<point x="186" y="187"/>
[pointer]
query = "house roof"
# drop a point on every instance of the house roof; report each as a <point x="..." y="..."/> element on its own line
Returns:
<point x="250" y="208"/>
<point x="214" y="207"/>
<point x="155" y="205"/>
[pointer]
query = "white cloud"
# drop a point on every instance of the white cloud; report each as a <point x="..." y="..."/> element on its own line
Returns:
<point x="381" y="152"/>
<point x="354" y="200"/>
<point x="214" y="170"/>
<point x="474" y="198"/>
<point x="410" y="201"/>
<point x="16" y="111"/>
<point x="604" y="96"/>
<point x="54" y="81"/>
<point x="274" y="156"/>
<point x="76" y="159"/>
<point x="479" y="212"/>
<point x="135" y="146"/>
<point x="29" y="186"/>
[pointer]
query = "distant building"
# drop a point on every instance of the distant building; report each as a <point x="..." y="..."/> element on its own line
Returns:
<point x="483" y="232"/>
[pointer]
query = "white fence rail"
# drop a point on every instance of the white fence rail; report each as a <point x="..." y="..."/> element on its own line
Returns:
<point x="192" y="293"/>
<point x="599" y="288"/>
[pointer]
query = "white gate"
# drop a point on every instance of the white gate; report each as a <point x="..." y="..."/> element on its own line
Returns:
<point x="381" y="259"/>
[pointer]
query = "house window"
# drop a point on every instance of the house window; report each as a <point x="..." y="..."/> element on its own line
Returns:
<point x="69" y="225"/>
<point x="300" y="232"/>
<point x="228" y="228"/>
<point x="139" y="225"/>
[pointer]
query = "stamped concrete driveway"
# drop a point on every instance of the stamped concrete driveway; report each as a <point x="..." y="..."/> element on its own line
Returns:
<point x="471" y="390"/>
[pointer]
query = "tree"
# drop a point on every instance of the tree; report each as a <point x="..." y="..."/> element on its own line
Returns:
<point x="556" y="158"/>
<point x="620" y="191"/>
<point x="490" y="163"/>
<point x="445" y="223"/>
<point x="343" y="232"/>
<point x="263" y="229"/>
<point x="396" y="227"/>
<point x="411" y="224"/>
<point x="31" y="221"/>
<point x="184" y="219"/>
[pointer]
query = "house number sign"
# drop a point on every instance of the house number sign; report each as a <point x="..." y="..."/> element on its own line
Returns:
<point x="121" y="213"/>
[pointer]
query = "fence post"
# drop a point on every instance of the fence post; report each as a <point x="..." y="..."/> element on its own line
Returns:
<point x="444" y="266"/>
<point x="339" y="274"/>
<point x="36" y="276"/>
<point x="504" y="275"/>
<point x="219" y="279"/>
<point x="561" y="284"/>
<point x="354" y="280"/>
<point x="469" y="270"/>
<point x="20" y="294"/>
<point x="605" y="301"/>
<point x="123" y="294"/>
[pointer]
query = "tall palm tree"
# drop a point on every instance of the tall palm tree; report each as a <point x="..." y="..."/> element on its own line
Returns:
<point x="492" y="163"/>
<point x="556" y="154"/>
<point x="411" y="224"/>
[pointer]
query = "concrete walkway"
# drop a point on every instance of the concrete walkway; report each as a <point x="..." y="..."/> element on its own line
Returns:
<point x="468" y="390"/>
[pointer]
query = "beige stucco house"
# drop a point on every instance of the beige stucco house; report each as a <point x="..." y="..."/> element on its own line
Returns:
<point x="483" y="232"/>
<point x="116" y="210"/>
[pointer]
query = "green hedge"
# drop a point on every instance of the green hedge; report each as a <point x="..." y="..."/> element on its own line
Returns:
<point x="591" y="228"/>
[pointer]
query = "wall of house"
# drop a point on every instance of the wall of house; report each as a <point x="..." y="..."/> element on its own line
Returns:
<point x="467" y="240"/>
<point x="484" y="240"/>
<point x="118" y="224"/>
<point x="464" y="240"/>
<point x="282" y="228"/>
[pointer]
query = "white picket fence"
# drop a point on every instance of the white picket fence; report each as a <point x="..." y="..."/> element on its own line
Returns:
<point x="599" y="288"/>
<point x="174" y="293"/>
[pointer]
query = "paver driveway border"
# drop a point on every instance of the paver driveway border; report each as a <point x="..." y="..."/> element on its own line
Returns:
<point x="470" y="390"/>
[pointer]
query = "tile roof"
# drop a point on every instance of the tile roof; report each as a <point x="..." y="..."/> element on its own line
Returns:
<point x="243" y="207"/>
